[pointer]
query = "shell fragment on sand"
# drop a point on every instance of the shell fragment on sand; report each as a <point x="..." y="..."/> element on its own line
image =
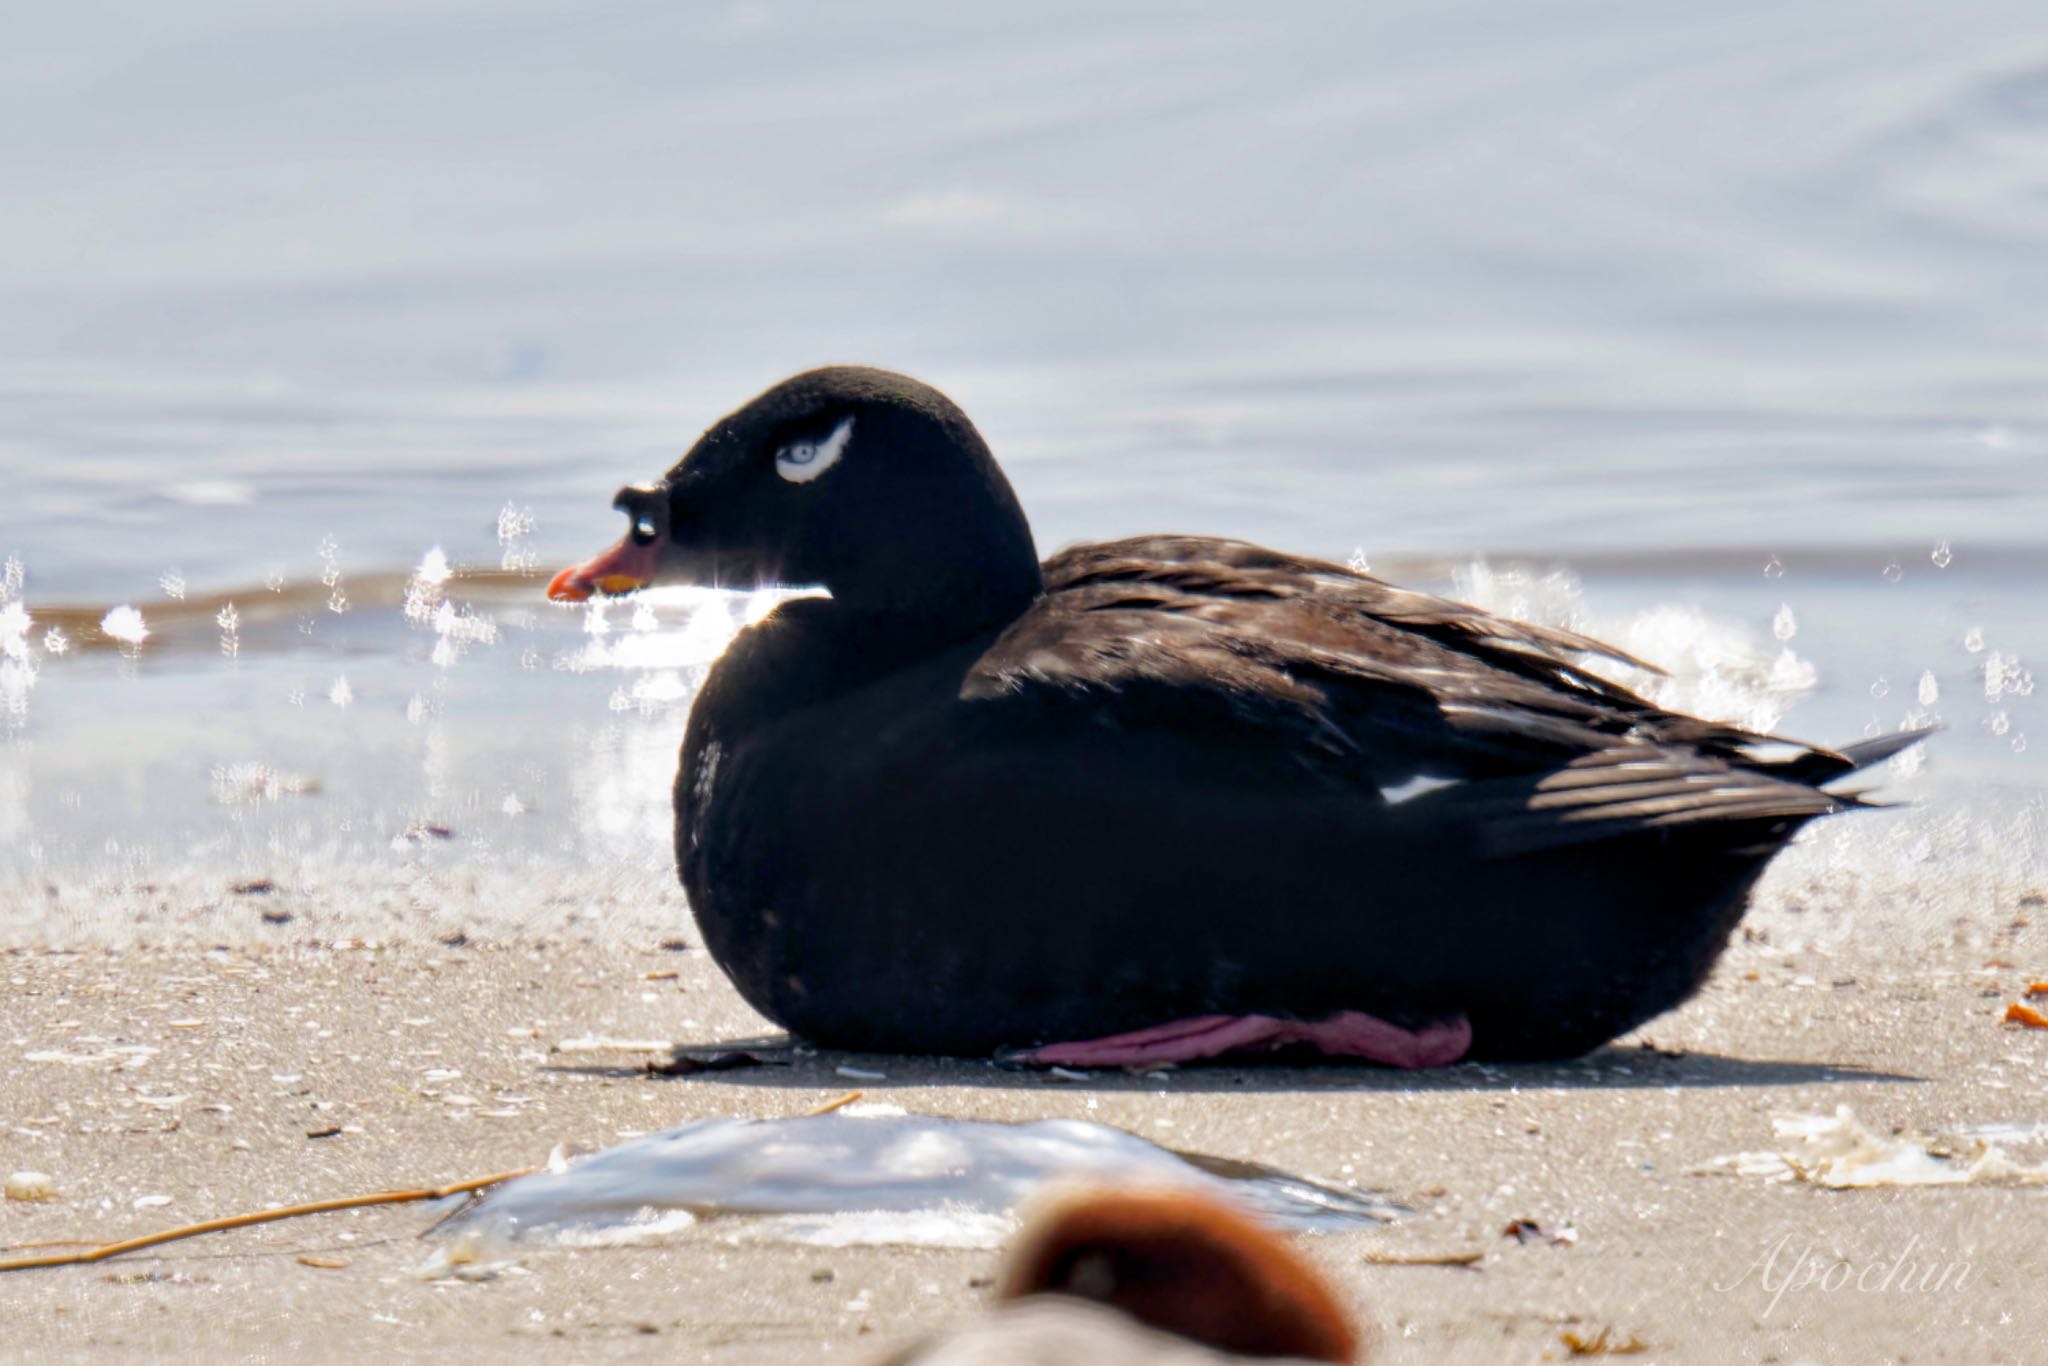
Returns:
<point x="1840" y="1152"/>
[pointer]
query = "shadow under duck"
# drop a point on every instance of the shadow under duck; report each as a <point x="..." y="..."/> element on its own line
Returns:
<point x="1163" y="798"/>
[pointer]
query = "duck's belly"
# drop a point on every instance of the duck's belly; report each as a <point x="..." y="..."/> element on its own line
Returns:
<point x="934" y="893"/>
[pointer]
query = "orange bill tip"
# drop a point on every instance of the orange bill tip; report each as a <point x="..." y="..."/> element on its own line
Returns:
<point x="566" y="587"/>
<point x="618" y="569"/>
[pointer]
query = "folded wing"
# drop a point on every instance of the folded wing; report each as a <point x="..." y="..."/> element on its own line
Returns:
<point x="1370" y="687"/>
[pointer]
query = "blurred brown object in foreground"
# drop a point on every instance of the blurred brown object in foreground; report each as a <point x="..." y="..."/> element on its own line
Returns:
<point x="1158" y="1277"/>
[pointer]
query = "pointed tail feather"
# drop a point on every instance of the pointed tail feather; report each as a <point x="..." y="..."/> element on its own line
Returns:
<point x="1824" y="766"/>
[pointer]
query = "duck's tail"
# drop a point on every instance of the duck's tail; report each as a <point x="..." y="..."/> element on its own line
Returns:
<point x="1820" y="766"/>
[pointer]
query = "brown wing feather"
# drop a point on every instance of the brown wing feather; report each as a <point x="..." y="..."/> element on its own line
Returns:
<point x="1375" y="684"/>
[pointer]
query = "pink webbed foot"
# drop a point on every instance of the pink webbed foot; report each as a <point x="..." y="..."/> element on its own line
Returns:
<point x="1347" y="1034"/>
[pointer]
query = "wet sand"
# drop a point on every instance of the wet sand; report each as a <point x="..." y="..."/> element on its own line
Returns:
<point x="426" y="1062"/>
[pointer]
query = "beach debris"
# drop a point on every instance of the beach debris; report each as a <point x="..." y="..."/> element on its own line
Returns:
<point x="419" y="832"/>
<point x="1603" y="1344"/>
<point x="247" y="784"/>
<point x="273" y="916"/>
<point x="668" y="976"/>
<point x="674" y="945"/>
<point x="149" y="1201"/>
<point x="860" y="1073"/>
<point x="126" y="1057"/>
<point x="35" y="1188"/>
<point x="99" y="1252"/>
<point x="322" y="1263"/>
<point x="1530" y="1231"/>
<point x="861" y="1175"/>
<point x="330" y="1131"/>
<point x="1471" y="1257"/>
<point x="2020" y="1013"/>
<point x="257" y="886"/>
<point x="604" y="1043"/>
<point x="465" y="1258"/>
<point x="1840" y="1152"/>
<point x="685" y="1065"/>
<point x="2035" y="989"/>
<point x="155" y="1278"/>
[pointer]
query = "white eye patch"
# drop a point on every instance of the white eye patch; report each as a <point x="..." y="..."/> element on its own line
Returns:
<point x="802" y="461"/>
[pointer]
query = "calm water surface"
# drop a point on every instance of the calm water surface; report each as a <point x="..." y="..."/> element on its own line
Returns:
<point x="1733" y="313"/>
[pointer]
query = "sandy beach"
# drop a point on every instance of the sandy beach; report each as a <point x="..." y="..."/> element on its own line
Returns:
<point x="244" y="1060"/>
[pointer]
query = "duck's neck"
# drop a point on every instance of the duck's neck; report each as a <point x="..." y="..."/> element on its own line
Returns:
<point x="947" y="580"/>
<point x="809" y="651"/>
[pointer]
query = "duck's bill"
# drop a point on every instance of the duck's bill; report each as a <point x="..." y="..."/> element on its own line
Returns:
<point x="620" y="569"/>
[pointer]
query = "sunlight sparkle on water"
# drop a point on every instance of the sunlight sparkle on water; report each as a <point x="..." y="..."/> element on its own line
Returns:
<point x="125" y="624"/>
<point x="330" y="574"/>
<point x="515" y="528"/>
<point x="1715" y="668"/>
<point x="434" y="567"/>
<point x="17" y="661"/>
<point x="2005" y="676"/>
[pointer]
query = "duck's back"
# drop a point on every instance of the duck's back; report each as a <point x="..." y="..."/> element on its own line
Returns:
<point x="1198" y="777"/>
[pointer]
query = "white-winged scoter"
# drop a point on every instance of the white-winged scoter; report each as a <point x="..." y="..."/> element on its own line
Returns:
<point x="1163" y="798"/>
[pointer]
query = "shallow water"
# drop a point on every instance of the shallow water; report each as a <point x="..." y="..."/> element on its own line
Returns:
<point x="880" y="1177"/>
<point x="1735" y="313"/>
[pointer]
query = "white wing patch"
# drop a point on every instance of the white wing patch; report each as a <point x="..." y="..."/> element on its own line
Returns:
<point x="1419" y="785"/>
<point x="802" y="461"/>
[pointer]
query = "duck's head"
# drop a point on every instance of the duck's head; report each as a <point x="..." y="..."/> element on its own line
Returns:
<point x="865" y="483"/>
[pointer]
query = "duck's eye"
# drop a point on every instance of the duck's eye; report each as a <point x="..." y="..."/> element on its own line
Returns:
<point x="802" y="461"/>
<point x="643" y="530"/>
